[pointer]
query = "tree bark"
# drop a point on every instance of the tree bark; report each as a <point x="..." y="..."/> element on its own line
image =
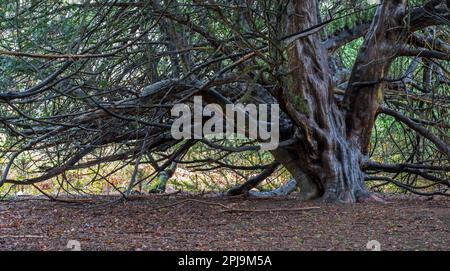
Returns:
<point x="365" y="91"/>
<point x="333" y="141"/>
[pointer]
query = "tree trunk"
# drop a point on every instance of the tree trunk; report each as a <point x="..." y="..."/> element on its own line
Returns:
<point x="333" y="141"/>
<point x="365" y="91"/>
<point x="329" y="169"/>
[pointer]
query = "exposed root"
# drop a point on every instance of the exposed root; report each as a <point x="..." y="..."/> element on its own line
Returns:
<point x="361" y="196"/>
<point x="283" y="190"/>
<point x="371" y="197"/>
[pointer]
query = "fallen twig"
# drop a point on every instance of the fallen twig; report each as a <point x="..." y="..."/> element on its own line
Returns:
<point x="238" y="210"/>
<point x="51" y="198"/>
<point x="22" y="236"/>
<point x="272" y="210"/>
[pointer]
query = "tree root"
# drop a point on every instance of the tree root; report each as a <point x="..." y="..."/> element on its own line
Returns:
<point x="371" y="197"/>
<point x="283" y="190"/>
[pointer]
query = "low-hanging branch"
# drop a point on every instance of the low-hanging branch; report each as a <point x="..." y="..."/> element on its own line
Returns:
<point x="105" y="107"/>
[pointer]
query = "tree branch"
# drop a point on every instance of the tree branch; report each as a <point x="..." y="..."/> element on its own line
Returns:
<point x="441" y="145"/>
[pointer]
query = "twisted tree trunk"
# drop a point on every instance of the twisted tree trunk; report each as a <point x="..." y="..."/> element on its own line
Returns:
<point x="333" y="139"/>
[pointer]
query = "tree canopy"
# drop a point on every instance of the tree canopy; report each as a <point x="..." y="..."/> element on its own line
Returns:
<point x="87" y="88"/>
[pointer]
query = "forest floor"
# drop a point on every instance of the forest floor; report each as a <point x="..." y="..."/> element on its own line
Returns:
<point x="180" y="222"/>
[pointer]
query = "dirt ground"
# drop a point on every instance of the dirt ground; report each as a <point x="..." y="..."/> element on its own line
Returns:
<point x="177" y="222"/>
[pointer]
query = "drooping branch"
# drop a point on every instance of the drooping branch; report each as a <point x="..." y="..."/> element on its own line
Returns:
<point x="441" y="145"/>
<point x="419" y="18"/>
<point x="253" y="181"/>
<point x="406" y="187"/>
<point x="405" y="168"/>
<point x="420" y="52"/>
<point x="346" y="36"/>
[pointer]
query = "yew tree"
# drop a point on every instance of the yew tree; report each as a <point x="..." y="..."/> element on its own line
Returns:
<point x="91" y="83"/>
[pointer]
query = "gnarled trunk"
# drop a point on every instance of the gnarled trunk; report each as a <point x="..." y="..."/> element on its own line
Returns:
<point x="331" y="172"/>
<point x="333" y="141"/>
